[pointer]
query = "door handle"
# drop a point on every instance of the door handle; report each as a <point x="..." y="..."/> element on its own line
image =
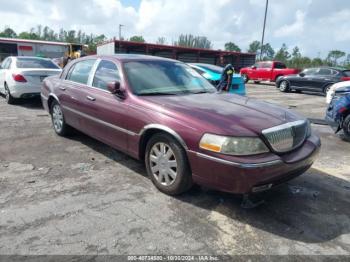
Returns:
<point x="62" y="88"/>
<point x="90" y="98"/>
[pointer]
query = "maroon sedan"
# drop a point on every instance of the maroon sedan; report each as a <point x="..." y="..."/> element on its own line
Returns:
<point x="164" y="113"/>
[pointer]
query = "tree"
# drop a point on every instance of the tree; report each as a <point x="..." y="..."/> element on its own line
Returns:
<point x="137" y="38"/>
<point x="161" y="41"/>
<point x="267" y="52"/>
<point x="230" y="46"/>
<point x="282" y="54"/>
<point x="296" y="53"/>
<point x="334" y="55"/>
<point x="254" y="47"/>
<point x="193" y="41"/>
<point x="8" y="32"/>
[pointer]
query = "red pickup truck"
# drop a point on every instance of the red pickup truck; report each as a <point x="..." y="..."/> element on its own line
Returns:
<point x="266" y="71"/>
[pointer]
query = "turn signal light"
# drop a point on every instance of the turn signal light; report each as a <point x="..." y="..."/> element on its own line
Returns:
<point x="19" y="78"/>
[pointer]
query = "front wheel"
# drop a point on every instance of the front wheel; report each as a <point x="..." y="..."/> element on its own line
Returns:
<point x="167" y="165"/>
<point x="326" y="89"/>
<point x="284" y="86"/>
<point x="346" y="128"/>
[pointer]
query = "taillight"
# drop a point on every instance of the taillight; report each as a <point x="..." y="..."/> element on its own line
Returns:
<point x="345" y="78"/>
<point x="19" y="78"/>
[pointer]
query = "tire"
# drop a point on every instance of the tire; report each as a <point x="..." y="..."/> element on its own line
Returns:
<point x="256" y="82"/>
<point x="170" y="172"/>
<point x="298" y="91"/>
<point x="245" y="78"/>
<point x="9" y="98"/>
<point x="346" y="128"/>
<point x="326" y="89"/>
<point x="283" y="86"/>
<point x="58" y="121"/>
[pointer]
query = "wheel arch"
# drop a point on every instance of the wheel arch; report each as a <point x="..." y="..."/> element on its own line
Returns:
<point x="52" y="97"/>
<point x="149" y="130"/>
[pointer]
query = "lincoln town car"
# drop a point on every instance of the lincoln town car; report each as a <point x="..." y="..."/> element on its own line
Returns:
<point x="163" y="112"/>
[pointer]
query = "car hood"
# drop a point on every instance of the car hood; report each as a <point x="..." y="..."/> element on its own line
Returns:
<point x="227" y="114"/>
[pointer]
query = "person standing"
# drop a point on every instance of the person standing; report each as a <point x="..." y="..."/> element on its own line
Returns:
<point x="226" y="76"/>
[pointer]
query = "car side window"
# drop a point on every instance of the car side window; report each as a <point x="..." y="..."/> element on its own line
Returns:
<point x="106" y="72"/>
<point x="309" y="72"/>
<point x="9" y="63"/>
<point x="280" y="66"/>
<point x="324" y="72"/>
<point x="80" y="71"/>
<point x="4" y="63"/>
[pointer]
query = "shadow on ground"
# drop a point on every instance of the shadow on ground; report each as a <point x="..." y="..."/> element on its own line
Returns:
<point x="312" y="208"/>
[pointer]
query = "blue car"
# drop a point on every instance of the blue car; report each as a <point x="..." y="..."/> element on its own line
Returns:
<point x="338" y="111"/>
<point x="213" y="74"/>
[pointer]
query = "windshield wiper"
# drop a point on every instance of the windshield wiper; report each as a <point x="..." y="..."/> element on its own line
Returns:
<point x="201" y="92"/>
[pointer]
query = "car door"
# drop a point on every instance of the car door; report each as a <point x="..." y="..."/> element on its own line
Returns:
<point x="73" y="91"/>
<point x="108" y="111"/>
<point x="265" y="71"/>
<point x="304" y="80"/>
<point x="322" y="78"/>
<point x="3" y="69"/>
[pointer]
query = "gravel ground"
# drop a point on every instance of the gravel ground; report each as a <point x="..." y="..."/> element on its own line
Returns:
<point x="78" y="196"/>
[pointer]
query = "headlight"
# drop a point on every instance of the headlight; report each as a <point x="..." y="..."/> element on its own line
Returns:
<point x="240" y="146"/>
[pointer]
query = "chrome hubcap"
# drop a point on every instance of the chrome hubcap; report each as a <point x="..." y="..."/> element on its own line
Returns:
<point x="283" y="85"/>
<point x="57" y="118"/>
<point x="163" y="164"/>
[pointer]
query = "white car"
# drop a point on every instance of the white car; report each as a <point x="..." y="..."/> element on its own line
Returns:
<point x="333" y="88"/>
<point x="21" y="77"/>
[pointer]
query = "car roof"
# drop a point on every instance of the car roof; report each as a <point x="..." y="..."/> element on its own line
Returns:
<point x="30" y="57"/>
<point x="131" y="57"/>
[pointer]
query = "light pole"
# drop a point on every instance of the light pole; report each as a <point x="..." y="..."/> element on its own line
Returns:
<point x="120" y="31"/>
<point x="263" y="33"/>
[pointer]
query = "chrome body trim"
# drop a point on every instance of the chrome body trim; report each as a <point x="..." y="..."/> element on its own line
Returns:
<point x="166" y="129"/>
<point x="237" y="164"/>
<point x="100" y="121"/>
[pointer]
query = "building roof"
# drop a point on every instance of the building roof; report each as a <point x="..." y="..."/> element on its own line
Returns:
<point x="177" y="48"/>
<point x="29" y="41"/>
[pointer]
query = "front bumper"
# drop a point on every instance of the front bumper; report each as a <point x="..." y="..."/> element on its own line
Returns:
<point x="252" y="174"/>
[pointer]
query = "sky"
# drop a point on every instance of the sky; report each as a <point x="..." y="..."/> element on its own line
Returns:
<point x="315" y="26"/>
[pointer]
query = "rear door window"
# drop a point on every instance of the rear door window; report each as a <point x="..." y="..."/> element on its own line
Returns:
<point x="106" y="72"/>
<point x="80" y="71"/>
<point x="324" y="72"/>
<point x="310" y="72"/>
<point x="5" y="63"/>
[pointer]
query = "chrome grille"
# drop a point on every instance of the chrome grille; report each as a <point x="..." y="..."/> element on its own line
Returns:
<point x="286" y="137"/>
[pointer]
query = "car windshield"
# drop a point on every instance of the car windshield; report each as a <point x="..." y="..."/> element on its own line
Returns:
<point x="213" y="68"/>
<point x="35" y="63"/>
<point x="165" y="77"/>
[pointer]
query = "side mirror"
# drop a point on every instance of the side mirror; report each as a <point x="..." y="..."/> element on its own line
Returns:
<point x="302" y="74"/>
<point x="116" y="89"/>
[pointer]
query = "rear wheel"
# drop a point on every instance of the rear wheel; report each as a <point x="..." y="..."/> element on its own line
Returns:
<point x="167" y="165"/>
<point x="245" y="78"/>
<point x="283" y="86"/>
<point x="346" y="127"/>
<point x="9" y="98"/>
<point x="58" y="121"/>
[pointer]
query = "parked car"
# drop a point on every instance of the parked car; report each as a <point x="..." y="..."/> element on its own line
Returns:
<point x="318" y="79"/>
<point x="21" y="77"/>
<point x="213" y="74"/>
<point x="266" y="71"/>
<point x="164" y="113"/>
<point x="334" y="87"/>
<point x="338" y="111"/>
